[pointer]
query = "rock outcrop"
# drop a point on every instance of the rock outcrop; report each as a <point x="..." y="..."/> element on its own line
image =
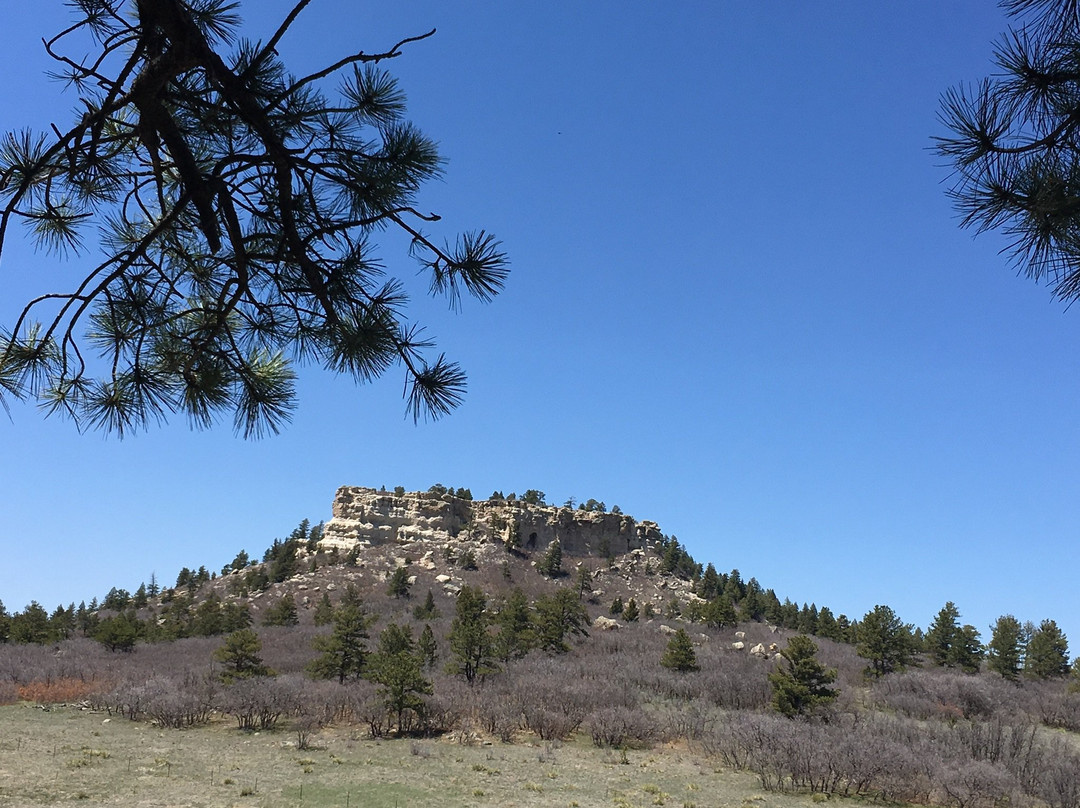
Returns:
<point x="364" y="516"/>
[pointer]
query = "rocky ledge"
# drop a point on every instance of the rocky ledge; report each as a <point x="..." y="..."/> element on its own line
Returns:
<point x="365" y="516"/>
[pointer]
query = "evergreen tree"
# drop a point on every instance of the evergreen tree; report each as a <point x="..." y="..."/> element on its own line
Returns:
<point x="631" y="613"/>
<point x="396" y="639"/>
<point x="324" y="611"/>
<point x="789" y="614"/>
<point x="720" y="612"/>
<point x="802" y="687"/>
<point x="206" y="621"/>
<point x="427" y="610"/>
<point x="470" y="644"/>
<point x="427" y="648"/>
<point x="517" y="635"/>
<point x="827" y="625"/>
<point x="5" y="624"/>
<point x="315" y="536"/>
<point x="847" y="631"/>
<point x="807" y="620"/>
<point x="1047" y="652"/>
<point x="512" y="541"/>
<point x="234" y="616"/>
<point x="62" y="623"/>
<point x="282" y="560"/>
<point x="282" y="613"/>
<point x="31" y="625"/>
<point x="153" y="589"/>
<point x="239" y="562"/>
<point x="398" y="584"/>
<point x="176" y="618"/>
<point x="584" y="580"/>
<point x="708" y="586"/>
<point x="734" y="587"/>
<point x="672" y="555"/>
<point x="679" y="654"/>
<point x="140" y="598"/>
<point x="343" y="651"/>
<point x="752" y="606"/>
<point x="884" y="641"/>
<point x="774" y="610"/>
<point x="551" y="565"/>
<point x="118" y="633"/>
<point x="605" y="550"/>
<point x="943" y="635"/>
<point x="234" y="203"/>
<point x="240" y="654"/>
<point x="1012" y="144"/>
<point x="558" y="617"/>
<point x="617" y="607"/>
<point x="397" y="669"/>
<point x="1005" y="651"/>
<point x="86" y="621"/>
<point x="967" y="651"/>
<point x="467" y="561"/>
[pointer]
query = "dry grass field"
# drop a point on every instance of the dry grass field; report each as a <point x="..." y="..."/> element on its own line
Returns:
<point x="68" y="756"/>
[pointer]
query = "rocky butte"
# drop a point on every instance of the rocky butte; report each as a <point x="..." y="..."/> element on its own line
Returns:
<point x="365" y="516"/>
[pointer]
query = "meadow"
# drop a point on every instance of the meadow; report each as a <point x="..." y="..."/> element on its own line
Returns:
<point x="71" y="755"/>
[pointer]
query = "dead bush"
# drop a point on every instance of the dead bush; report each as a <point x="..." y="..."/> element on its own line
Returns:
<point x="620" y="726"/>
<point x="258" y="702"/>
<point x="58" y="691"/>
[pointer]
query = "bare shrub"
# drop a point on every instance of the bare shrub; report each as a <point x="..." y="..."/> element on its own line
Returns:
<point x="551" y="709"/>
<point x="1058" y="782"/>
<point x="287" y="649"/>
<point x="938" y="693"/>
<point x="179" y="702"/>
<point x="258" y="702"/>
<point x="368" y="708"/>
<point x="306" y="726"/>
<point x="497" y="709"/>
<point x="124" y="699"/>
<point x="738" y="682"/>
<point x="1055" y="705"/>
<point x="451" y="701"/>
<point x="8" y="692"/>
<point x="973" y="783"/>
<point x="683" y="720"/>
<point x="619" y="726"/>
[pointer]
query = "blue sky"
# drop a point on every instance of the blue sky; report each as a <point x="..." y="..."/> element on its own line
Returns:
<point x="740" y="306"/>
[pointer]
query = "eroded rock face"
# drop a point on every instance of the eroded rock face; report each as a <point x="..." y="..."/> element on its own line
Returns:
<point x="366" y="516"/>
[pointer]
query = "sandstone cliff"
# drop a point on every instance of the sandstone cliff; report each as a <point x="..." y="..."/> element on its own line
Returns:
<point x="366" y="516"/>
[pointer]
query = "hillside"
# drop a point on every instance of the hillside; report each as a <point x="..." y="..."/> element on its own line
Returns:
<point x="429" y="615"/>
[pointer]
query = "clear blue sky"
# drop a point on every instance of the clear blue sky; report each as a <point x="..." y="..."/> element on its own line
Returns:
<point x="740" y="306"/>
